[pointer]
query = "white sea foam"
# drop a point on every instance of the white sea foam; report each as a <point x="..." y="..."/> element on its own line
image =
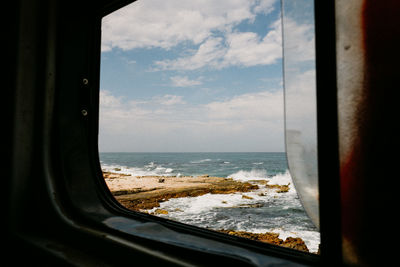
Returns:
<point x="254" y="174"/>
<point x="257" y="174"/>
<point x="203" y="210"/>
<point x="150" y="165"/>
<point x="150" y="169"/>
<point x="196" y="205"/>
<point x="209" y="210"/>
<point x="200" y="161"/>
<point x="281" y="179"/>
<point x="184" y="208"/>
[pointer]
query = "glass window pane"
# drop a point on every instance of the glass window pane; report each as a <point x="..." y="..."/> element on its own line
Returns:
<point x="300" y="101"/>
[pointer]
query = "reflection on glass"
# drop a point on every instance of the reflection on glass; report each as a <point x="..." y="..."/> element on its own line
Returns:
<point x="300" y="101"/>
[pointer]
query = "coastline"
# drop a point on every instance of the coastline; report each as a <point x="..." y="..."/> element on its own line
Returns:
<point x="145" y="193"/>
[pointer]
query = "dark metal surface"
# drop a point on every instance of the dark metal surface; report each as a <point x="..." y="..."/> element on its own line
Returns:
<point x="59" y="211"/>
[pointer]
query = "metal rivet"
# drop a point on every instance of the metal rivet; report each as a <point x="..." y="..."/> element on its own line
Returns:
<point x="85" y="81"/>
<point x="84" y="112"/>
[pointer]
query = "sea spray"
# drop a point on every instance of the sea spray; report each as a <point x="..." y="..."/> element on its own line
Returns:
<point x="254" y="174"/>
<point x="261" y="211"/>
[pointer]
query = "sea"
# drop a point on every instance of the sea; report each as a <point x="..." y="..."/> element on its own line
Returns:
<point x="269" y="211"/>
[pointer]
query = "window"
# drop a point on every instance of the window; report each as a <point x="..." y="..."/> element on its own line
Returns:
<point x="58" y="206"/>
<point x="191" y="115"/>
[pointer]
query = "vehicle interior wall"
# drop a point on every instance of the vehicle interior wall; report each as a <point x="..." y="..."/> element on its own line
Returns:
<point x="38" y="229"/>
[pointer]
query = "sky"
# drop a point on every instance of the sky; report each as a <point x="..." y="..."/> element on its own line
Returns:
<point x="193" y="76"/>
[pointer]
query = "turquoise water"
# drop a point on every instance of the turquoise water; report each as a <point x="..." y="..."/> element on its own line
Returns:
<point x="266" y="211"/>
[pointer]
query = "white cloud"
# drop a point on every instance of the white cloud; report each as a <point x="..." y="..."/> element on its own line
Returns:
<point x="209" y="54"/>
<point x="300" y="84"/>
<point x="206" y="30"/>
<point x="299" y="41"/>
<point x="248" y="49"/>
<point x="252" y="107"/>
<point x="168" y="100"/>
<point x="236" y="49"/>
<point x="116" y="110"/>
<point x="164" y="24"/>
<point x="107" y="100"/>
<point x="262" y="107"/>
<point x="251" y="121"/>
<point x="184" y="81"/>
<point x="264" y="6"/>
<point x="301" y="95"/>
<point x="207" y="24"/>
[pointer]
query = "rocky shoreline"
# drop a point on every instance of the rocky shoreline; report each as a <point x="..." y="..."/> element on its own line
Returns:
<point x="272" y="238"/>
<point x="143" y="193"/>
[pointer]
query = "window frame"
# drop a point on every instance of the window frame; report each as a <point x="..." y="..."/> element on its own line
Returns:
<point x="73" y="183"/>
